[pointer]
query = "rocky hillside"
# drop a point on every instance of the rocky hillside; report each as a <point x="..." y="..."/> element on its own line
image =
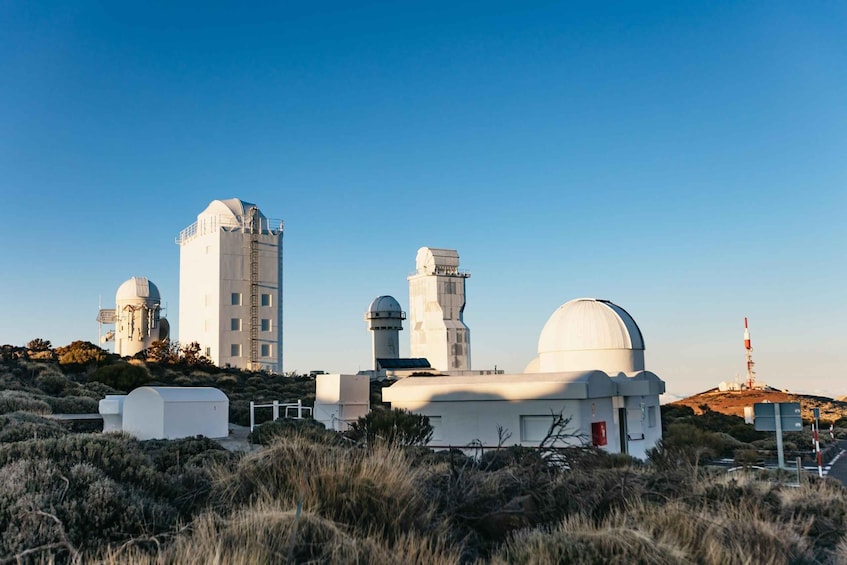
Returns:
<point x="733" y="402"/>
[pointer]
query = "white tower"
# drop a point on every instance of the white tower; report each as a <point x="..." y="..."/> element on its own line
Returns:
<point x="137" y="317"/>
<point x="436" y="304"/>
<point x="385" y="320"/>
<point x="230" y="286"/>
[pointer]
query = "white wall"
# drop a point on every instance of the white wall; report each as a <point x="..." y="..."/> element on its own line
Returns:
<point x="150" y="414"/>
<point x="214" y="265"/>
<point x="436" y="329"/>
<point x="341" y="399"/>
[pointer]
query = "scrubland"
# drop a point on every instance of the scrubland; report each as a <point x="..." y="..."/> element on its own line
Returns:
<point x="310" y="495"/>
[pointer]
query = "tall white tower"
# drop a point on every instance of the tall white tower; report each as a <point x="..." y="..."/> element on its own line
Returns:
<point x="436" y="304"/>
<point x="385" y="320"/>
<point x="230" y="286"/>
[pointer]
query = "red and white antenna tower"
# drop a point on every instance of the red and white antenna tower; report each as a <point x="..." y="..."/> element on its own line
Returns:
<point x="751" y="374"/>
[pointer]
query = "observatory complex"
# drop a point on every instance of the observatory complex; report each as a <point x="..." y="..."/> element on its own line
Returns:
<point x="136" y="316"/>
<point x="589" y="368"/>
<point x="230" y="285"/>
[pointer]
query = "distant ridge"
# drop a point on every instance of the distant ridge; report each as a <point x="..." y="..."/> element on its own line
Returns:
<point x="733" y="402"/>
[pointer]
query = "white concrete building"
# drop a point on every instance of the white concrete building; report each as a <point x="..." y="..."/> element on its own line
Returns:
<point x="385" y="320"/>
<point x="230" y="286"/>
<point x="436" y="305"/>
<point x="340" y="400"/>
<point x="590" y="368"/>
<point x="157" y="412"/>
<point x="137" y="317"/>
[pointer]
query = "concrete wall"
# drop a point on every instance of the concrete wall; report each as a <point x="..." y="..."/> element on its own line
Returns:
<point x="341" y="399"/>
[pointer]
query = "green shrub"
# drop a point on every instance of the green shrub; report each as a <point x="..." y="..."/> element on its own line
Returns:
<point x="122" y="376"/>
<point x="75" y="509"/>
<point x="395" y="427"/>
<point x="18" y="401"/>
<point x="21" y="426"/>
<point x="52" y="383"/>
<point x="72" y="405"/>
<point x="265" y="434"/>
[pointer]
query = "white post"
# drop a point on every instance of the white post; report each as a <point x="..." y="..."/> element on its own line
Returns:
<point x="252" y="418"/>
<point x="276" y="410"/>
<point x="779" y="453"/>
<point x="299" y="409"/>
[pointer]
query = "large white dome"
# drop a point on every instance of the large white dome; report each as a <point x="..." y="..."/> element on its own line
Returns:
<point x="588" y="334"/>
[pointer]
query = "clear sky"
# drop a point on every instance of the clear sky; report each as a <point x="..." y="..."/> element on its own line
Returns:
<point x="684" y="160"/>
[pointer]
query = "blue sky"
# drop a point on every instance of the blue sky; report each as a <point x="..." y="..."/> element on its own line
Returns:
<point x="683" y="160"/>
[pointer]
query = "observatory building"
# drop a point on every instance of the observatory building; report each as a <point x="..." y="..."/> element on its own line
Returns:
<point x="385" y="320"/>
<point x="137" y="317"/>
<point x="230" y="285"/>
<point x="436" y="305"/>
<point x="589" y="368"/>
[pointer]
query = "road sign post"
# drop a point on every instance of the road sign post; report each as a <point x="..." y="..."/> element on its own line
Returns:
<point x="778" y="417"/>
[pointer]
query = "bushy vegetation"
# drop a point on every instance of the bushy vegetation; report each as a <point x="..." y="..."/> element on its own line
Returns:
<point x="375" y="495"/>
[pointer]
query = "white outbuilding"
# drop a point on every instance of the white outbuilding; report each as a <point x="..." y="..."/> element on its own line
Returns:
<point x="590" y="369"/>
<point x="161" y="412"/>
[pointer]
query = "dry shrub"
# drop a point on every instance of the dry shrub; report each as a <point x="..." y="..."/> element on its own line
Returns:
<point x="579" y="540"/>
<point x="724" y="534"/>
<point x="374" y="491"/>
<point x="824" y="505"/>
<point x="267" y="533"/>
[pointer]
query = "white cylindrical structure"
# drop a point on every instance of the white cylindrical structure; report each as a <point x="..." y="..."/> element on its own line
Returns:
<point x="385" y="320"/>
<point x="137" y="309"/>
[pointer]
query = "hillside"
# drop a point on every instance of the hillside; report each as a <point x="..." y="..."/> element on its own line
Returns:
<point x="733" y="402"/>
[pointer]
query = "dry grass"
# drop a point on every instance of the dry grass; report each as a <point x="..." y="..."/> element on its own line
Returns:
<point x="374" y="491"/>
<point x="267" y="533"/>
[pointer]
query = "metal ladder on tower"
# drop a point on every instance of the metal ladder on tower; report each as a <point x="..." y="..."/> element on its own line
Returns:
<point x="254" y="288"/>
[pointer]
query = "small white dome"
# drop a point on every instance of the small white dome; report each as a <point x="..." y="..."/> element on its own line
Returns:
<point x="231" y="208"/>
<point x="384" y="305"/>
<point x="589" y="334"/>
<point x="138" y="288"/>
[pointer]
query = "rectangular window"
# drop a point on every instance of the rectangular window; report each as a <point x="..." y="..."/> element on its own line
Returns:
<point x="535" y="428"/>
<point x="235" y="324"/>
<point x="209" y="352"/>
<point x="266" y="350"/>
<point x="235" y="350"/>
<point x="437" y="429"/>
<point x="266" y="300"/>
<point x="236" y="299"/>
<point x="651" y="416"/>
<point x="266" y="325"/>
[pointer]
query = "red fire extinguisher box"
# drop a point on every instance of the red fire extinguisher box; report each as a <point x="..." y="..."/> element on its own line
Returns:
<point x="598" y="433"/>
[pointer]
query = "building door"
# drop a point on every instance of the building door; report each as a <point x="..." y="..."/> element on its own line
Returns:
<point x="623" y="432"/>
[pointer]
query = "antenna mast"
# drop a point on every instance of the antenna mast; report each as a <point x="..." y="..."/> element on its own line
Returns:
<point x="751" y="374"/>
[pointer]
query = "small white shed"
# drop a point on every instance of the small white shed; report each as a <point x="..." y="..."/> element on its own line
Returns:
<point x="161" y="412"/>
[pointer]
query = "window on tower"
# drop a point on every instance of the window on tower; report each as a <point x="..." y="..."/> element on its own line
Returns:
<point x="266" y="300"/>
<point x="236" y="299"/>
<point x="235" y="350"/>
<point x="235" y="324"/>
<point x="266" y="350"/>
<point x="266" y="325"/>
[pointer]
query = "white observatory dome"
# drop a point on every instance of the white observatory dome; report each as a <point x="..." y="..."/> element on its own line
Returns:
<point x="587" y="334"/>
<point x="138" y="289"/>
<point x="383" y="306"/>
<point x="232" y="209"/>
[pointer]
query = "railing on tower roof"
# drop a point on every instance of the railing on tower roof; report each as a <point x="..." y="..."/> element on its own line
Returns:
<point x="211" y="224"/>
